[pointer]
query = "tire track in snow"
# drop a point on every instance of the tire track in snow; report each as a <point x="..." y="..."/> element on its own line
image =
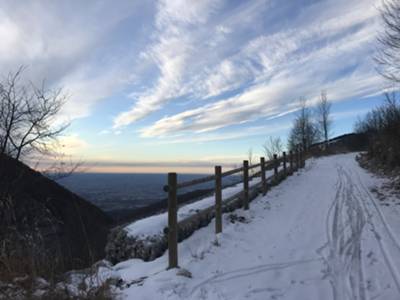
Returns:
<point x="243" y="272"/>
<point x="345" y="224"/>
<point x="361" y="219"/>
<point x="378" y="237"/>
<point x="344" y="227"/>
<point x="379" y="211"/>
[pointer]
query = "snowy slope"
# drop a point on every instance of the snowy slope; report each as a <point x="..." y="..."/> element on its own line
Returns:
<point x="154" y="225"/>
<point x="320" y="234"/>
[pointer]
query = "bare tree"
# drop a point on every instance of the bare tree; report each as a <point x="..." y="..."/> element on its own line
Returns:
<point x="388" y="52"/>
<point x="272" y="146"/>
<point x="324" y="120"/>
<point x="381" y="126"/>
<point x="250" y="157"/>
<point x="27" y="116"/>
<point x="60" y="166"/>
<point x="304" y="131"/>
<point x="385" y="118"/>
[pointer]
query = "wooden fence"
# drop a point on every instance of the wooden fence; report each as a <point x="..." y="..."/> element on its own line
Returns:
<point x="289" y="163"/>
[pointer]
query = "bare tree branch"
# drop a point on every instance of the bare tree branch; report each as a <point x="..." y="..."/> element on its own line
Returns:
<point x="324" y="120"/>
<point x="304" y="131"/>
<point x="27" y="116"/>
<point x="272" y="146"/>
<point x="387" y="56"/>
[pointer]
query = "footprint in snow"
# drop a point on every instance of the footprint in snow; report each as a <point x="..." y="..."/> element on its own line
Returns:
<point x="372" y="258"/>
<point x="370" y="285"/>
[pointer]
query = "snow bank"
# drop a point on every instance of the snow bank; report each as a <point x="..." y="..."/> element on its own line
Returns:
<point x="146" y="238"/>
<point x="288" y="245"/>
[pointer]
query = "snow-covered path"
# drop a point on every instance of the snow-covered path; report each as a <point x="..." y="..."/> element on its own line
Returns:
<point x="320" y="234"/>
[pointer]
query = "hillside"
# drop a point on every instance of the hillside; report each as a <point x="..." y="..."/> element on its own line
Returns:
<point x="44" y="227"/>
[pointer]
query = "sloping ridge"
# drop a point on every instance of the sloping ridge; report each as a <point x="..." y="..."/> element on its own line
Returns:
<point x="40" y="218"/>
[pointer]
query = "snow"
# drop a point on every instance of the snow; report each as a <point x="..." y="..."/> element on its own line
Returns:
<point x="320" y="234"/>
<point x="154" y="225"/>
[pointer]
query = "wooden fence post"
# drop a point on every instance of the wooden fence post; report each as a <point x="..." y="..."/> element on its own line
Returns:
<point x="246" y="184"/>
<point x="218" y="199"/>
<point x="284" y="163"/>
<point x="172" y="221"/>
<point x="263" y="179"/>
<point x="275" y="167"/>
<point x="291" y="161"/>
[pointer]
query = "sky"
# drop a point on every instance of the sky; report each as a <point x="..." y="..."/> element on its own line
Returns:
<point x="173" y="85"/>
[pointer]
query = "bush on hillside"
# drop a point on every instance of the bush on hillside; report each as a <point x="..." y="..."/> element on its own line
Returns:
<point x="382" y="126"/>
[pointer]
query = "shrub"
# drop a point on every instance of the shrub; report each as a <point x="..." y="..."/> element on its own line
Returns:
<point x="382" y="126"/>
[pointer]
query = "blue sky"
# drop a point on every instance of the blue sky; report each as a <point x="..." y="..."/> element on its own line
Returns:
<point x="158" y="86"/>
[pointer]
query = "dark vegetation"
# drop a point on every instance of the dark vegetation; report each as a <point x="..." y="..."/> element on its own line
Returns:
<point x="382" y="124"/>
<point x="382" y="127"/>
<point x="44" y="228"/>
<point x="350" y="142"/>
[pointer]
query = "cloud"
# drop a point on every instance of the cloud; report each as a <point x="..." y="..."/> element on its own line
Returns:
<point x="72" y="145"/>
<point x="205" y="137"/>
<point x="84" y="89"/>
<point x="171" y="51"/>
<point x="225" y="63"/>
<point x="9" y="35"/>
<point x="349" y="114"/>
<point x="329" y="50"/>
<point x="62" y="43"/>
<point x="225" y="77"/>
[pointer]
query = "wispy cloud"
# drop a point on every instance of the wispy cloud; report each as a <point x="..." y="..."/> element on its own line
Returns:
<point x="72" y="145"/>
<point x="61" y="43"/>
<point x="173" y="46"/>
<point x="326" y="47"/>
<point x="226" y="63"/>
<point x="204" y="137"/>
<point x="85" y="89"/>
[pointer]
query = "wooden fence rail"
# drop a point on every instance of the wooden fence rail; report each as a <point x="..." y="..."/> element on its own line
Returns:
<point x="240" y="199"/>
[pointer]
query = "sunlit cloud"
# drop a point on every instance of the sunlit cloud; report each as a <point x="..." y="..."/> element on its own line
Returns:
<point x="230" y="135"/>
<point x="173" y="73"/>
<point x="71" y="145"/>
<point x="271" y="71"/>
<point x="60" y="43"/>
<point x="171" y="51"/>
